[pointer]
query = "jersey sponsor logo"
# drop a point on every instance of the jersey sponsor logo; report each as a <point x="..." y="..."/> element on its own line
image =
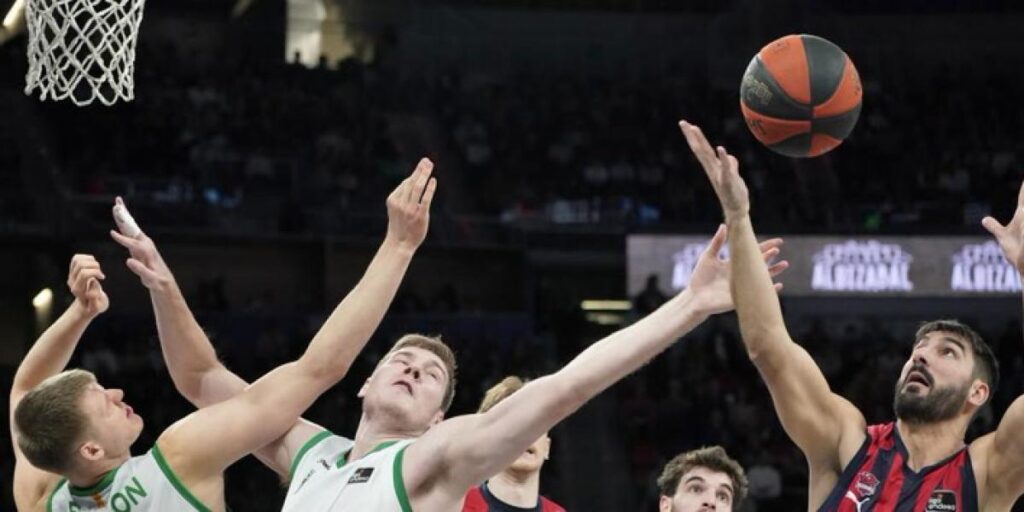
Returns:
<point x="361" y="475"/>
<point x="941" y="500"/>
<point x="863" y="489"/>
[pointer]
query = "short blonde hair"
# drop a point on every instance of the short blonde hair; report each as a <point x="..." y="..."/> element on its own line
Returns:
<point x="436" y="346"/>
<point x="49" y="420"/>
<point x="500" y="391"/>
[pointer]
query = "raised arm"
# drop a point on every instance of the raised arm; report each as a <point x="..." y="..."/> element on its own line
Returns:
<point x="270" y="407"/>
<point x="196" y="371"/>
<point x="1005" y="453"/>
<point x="468" y="449"/>
<point x="824" y="425"/>
<point x="48" y="357"/>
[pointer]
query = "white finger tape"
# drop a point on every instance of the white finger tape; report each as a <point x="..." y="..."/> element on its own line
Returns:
<point x="125" y="223"/>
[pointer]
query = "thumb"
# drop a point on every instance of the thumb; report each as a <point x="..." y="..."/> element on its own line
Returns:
<point x="717" y="241"/>
<point x="993" y="226"/>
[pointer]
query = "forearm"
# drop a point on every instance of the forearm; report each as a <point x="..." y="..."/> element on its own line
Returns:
<point x="186" y="349"/>
<point x="50" y="353"/>
<point x="494" y="439"/>
<point x="626" y="350"/>
<point x="352" y="323"/>
<point x="757" y="303"/>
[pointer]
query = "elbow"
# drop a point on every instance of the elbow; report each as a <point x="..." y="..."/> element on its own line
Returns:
<point x="323" y="370"/>
<point x="571" y="395"/>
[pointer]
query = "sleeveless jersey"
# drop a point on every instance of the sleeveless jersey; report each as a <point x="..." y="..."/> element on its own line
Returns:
<point x="878" y="480"/>
<point x="480" y="499"/>
<point x="142" y="484"/>
<point x="324" y="480"/>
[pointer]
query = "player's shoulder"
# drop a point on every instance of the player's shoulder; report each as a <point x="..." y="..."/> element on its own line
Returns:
<point x="474" y="501"/>
<point x="550" y="506"/>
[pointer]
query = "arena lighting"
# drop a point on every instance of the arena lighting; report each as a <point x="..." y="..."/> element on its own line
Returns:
<point x="606" y="305"/>
<point x="43" y="299"/>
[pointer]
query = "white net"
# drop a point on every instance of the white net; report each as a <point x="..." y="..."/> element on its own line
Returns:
<point x="82" y="50"/>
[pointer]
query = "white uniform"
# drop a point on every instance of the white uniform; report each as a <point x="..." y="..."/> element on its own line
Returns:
<point x="143" y="483"/>
<point x="322" y="478"/>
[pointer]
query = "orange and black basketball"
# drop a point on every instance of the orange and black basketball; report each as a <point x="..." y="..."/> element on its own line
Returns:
<point x="801" y="95"/>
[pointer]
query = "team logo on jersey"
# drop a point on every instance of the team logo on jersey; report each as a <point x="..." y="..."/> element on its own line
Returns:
<point x="361" y="475"/>
<point x="862" y="490"/>
<point x="942" y="500"/>
<point x="866" y="485"/>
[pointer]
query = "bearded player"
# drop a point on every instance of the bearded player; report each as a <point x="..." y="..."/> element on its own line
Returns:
<point x="919" y="462"/>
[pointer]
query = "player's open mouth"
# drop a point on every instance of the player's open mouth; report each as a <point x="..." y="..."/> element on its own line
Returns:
<point x="406" y="385"/>
<point x="916" y="377"/>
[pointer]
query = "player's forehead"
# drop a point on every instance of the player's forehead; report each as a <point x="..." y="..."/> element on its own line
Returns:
<point x="707" y="477"/>
<point x="940" y="337"/>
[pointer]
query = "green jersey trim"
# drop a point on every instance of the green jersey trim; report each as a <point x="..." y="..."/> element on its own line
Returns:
<point x="400" y="492"/>
<point x="344" y="457"/>
<point x="305" y="448"/>
<point x="49" y="502"/>
<point x="105" y="481"/>
<point x="169" y="473"/>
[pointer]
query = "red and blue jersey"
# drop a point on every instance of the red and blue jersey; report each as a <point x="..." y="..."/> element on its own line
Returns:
<point x="878" y="480"/>
<point x="480" y="499"/>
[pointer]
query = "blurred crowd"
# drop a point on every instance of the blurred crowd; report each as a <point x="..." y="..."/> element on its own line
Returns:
<point x="295" y="149"/>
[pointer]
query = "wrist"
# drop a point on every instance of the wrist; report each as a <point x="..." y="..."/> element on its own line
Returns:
<point x="690" y="303"/>
<point x="736" y="214"/>
<point x="399" y="246"/>
<point x="79" y="312"/>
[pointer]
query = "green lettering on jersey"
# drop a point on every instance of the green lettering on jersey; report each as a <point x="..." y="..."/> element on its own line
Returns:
<point x="118" y="503"/>
<point x="135" y="490"/>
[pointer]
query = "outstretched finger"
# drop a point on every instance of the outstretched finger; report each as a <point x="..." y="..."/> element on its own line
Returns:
<point x="141" y="270"/>
<point x="993" y="226"/>
<point x="125" y="241"/>
<point x="717" y="241"/>
<point x="778" y="287"/>
<point x="420" y="180"/>
<point x="770" y="244"/>
<point x="778" y="268"/>
<point x="698" y="144"/>
<point x="428" y="195"/>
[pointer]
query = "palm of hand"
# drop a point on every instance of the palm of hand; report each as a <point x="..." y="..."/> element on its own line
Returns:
<point x="710" y="281"/>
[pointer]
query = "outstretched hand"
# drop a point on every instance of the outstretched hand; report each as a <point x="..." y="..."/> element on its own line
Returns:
<point x="1010" y="236"/>
<point x="409" y="206"/>
<point x="145" y="260"/>
<point x="710" y="279"/>
<point x="722" y="170"/>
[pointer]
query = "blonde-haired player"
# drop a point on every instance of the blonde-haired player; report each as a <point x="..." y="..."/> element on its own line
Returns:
<point x="517" y="487"/>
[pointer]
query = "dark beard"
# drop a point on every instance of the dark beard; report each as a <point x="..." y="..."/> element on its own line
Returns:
<point x="940" y="404"/>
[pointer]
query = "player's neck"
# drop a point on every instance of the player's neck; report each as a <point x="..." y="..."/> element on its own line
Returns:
<point x="90" y="475"/>
<point x="371" y="434"/>
<point x="929" y="443"/>
<point x="517" y="489"/>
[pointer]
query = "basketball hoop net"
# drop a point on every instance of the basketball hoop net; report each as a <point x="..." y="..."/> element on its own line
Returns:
<point x="82" y="50"/>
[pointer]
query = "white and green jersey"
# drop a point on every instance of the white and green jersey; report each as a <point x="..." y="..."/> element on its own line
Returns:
<point x="323" y="479"/>
<point x="144" y="483"/>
